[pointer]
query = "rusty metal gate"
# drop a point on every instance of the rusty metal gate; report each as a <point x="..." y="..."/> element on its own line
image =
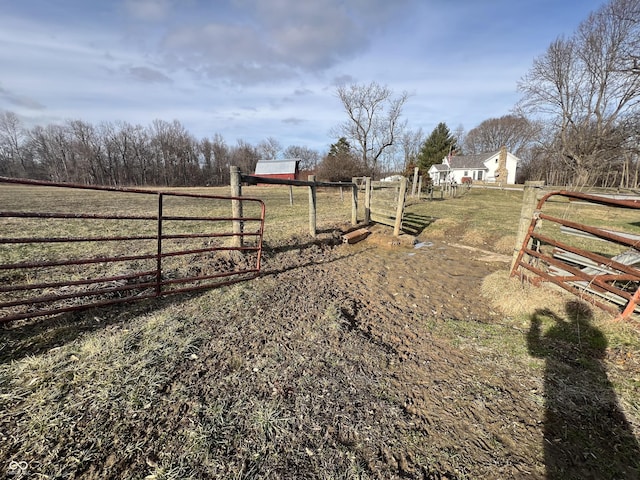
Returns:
<point x="598" y="264"/>
<point x="66" y="247"/>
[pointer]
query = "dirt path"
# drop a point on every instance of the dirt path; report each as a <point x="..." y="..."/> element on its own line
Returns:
<point x="468" y="413"/>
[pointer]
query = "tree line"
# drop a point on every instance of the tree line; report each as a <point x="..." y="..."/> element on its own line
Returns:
<point x="119" y="153"/>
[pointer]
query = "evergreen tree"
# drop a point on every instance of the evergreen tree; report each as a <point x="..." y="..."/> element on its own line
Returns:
<point x="437" y="146"/>
<point x="341" y="163"/>
<point x="340" y="148"/>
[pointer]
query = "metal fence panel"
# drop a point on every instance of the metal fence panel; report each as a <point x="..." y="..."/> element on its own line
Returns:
<point x="67" y="247"/>
<point x="607" y="277"/>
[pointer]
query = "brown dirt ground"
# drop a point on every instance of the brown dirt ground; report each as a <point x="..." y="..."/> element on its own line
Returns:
<point x="342" y="340"/>
<point x="471" y="417"/>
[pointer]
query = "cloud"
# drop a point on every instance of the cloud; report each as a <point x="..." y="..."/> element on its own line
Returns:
<point x="267" y="41"/>
<point x="148" y="10"/>
<point x="343" y="80"/>
<point x="20" y="100"/>
<point x="148" y="75"/>
<point x="294" y="121"/>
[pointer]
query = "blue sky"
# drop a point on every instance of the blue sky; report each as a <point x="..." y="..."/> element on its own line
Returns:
<point x="254" y="69"/>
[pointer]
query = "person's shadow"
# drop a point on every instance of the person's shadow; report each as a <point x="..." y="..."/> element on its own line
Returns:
<point x="586" y="434"/>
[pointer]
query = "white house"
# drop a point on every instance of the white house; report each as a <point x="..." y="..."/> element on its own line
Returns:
<point x="495" y="167"/>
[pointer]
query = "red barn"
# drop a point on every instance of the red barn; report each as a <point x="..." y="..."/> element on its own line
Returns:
<point x="286" y="169"/>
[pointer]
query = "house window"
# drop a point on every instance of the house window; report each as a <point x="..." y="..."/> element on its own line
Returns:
<point x="480" y="175"/>
<point x="466" y="173"/>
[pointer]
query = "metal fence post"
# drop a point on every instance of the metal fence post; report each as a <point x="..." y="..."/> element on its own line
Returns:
<point x="159" y="252"/>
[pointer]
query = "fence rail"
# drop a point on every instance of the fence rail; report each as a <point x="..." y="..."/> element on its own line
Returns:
<point x="56" y="259"/>
<point x="237" y="178"/>
<point x="386" y="209"/>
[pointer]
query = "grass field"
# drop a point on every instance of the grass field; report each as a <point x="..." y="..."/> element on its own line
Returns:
<point x="340" y="362"/>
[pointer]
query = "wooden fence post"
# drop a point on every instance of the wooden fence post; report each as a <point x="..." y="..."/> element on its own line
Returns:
<point x="367" y="200"/>
<point x="312" y="206"/>
<point x="354" y="204"/>
<point x="400" y="210"/>
<point x="531" y="189"/>
<point x="236" y="205"/>
<point x="290" y="195"/>
<point x="415" y="181"/>
<point x="419" y="186"/>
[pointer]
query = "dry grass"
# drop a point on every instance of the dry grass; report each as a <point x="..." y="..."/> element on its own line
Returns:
<point x="441" y="227"/>
<point x="474" y="236"/>
<point x="505" y="244"/>
<point x="266" y="380"/>
<point x="520" y="299"/>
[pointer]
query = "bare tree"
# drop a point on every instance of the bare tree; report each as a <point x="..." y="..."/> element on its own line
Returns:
<point x="136" y="147"/>
<point x="269" y="149"/>
<point x="52" y="147"/>
<point x="374" y="119"/>
<point x="216" y="157"/>
<point x="206" y="159"/>
<point x="513" y="131"/>
<point x="175" y="151"/>
<point x="12" y="139"/>
<point x="411" y="142"/>
<point x="87" y="144"/>
<point x="221" y="160"/>
<point x="308" y="158"/>
<point x="587" y="88"/>
<point x="245" y="156"/>
<point x="460" y="135"/>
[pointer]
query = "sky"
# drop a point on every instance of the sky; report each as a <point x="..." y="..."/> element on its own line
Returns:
<point x="256" y="69"/>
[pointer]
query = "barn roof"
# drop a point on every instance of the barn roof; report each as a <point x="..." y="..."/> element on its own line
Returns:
<point x="274" y="167"/>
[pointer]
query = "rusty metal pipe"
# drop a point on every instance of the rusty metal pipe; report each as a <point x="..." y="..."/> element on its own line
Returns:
<point x="39" y="286"/>
<point x="602" y="282"/>
<point x="45" y="304"/>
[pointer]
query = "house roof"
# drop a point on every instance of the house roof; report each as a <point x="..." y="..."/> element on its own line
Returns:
<point x="441" y="167"/>
<point x="475" y="162"/>
<point x="273" y="167"/>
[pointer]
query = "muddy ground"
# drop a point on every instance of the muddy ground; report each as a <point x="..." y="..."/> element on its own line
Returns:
<point x="469" y="417"/>
<point x="340" y="362"/>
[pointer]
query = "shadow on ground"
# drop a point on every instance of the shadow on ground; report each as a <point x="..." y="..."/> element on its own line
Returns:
<point x="586" y="434"/>
<point x="414" y="224"/>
